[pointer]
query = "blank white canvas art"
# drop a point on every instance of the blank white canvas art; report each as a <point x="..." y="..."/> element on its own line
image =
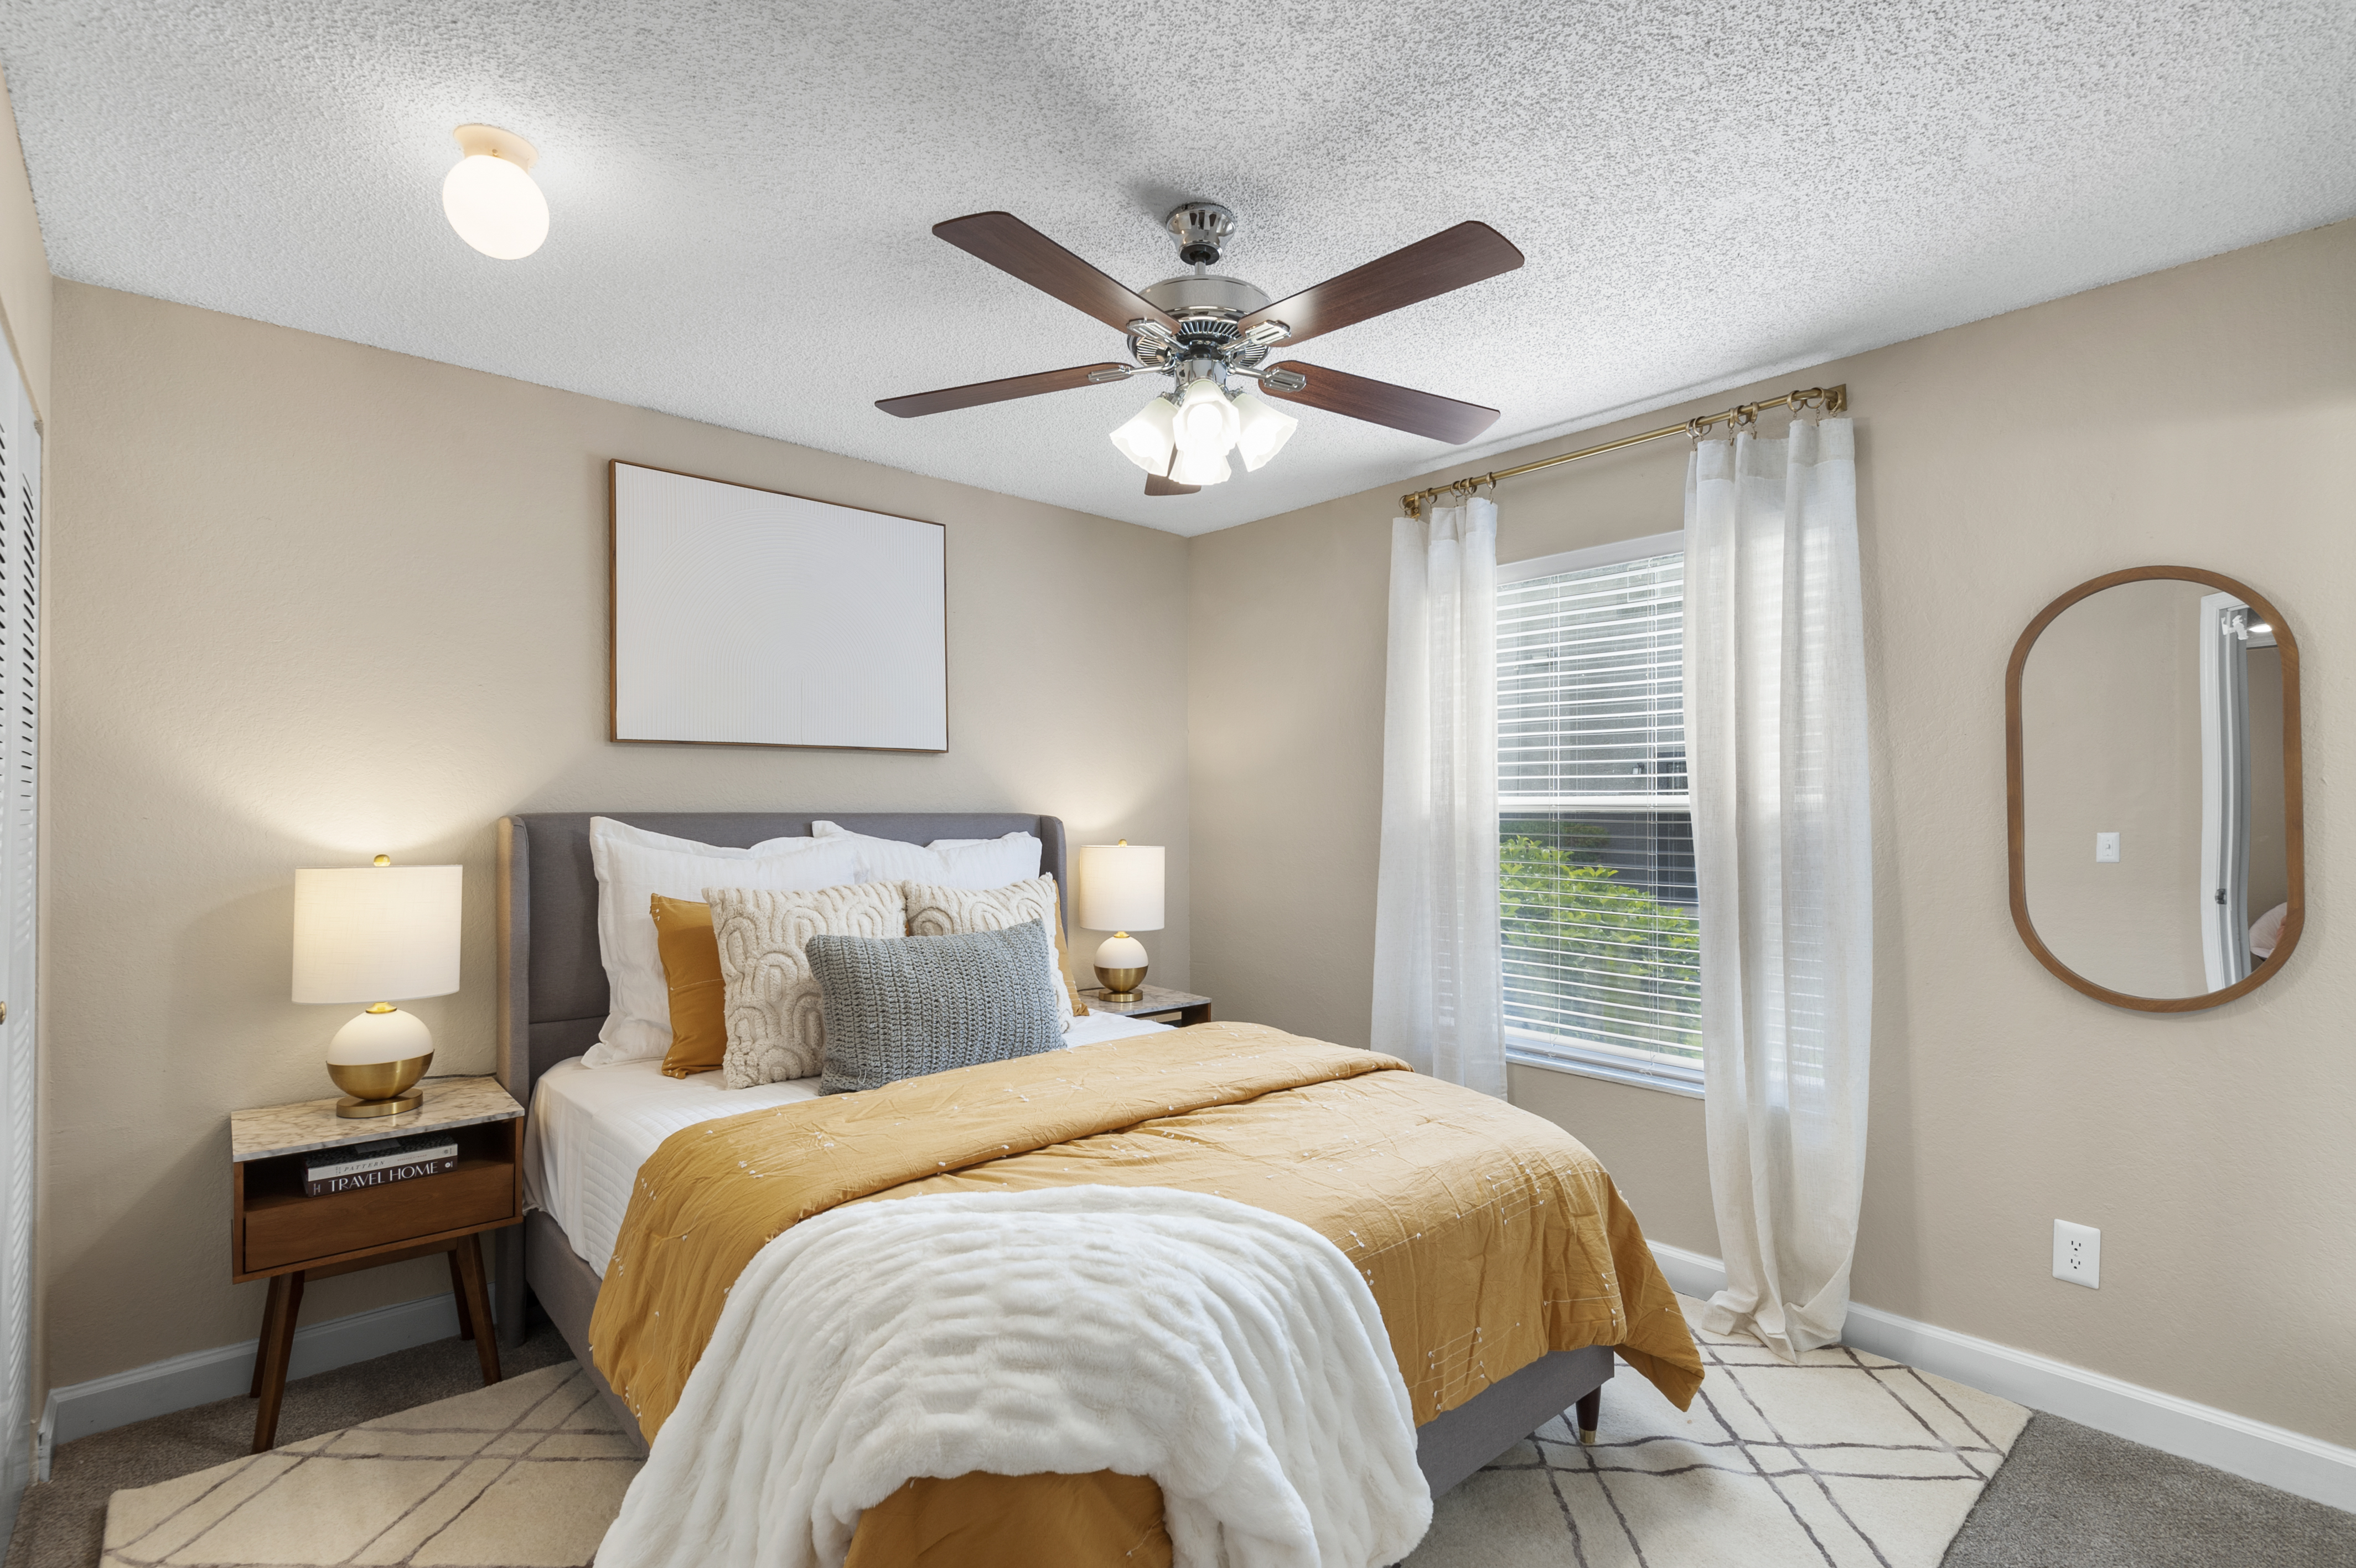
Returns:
<point x="746" y="617"/>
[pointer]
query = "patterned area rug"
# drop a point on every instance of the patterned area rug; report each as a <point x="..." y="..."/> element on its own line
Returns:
<point x="1845" y="1459"/>
<point x="526" y="1472"/>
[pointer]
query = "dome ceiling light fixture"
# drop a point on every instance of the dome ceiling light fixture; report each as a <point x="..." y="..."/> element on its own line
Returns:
<point x="1206" y="332"/>
<point x="490" y="196"/>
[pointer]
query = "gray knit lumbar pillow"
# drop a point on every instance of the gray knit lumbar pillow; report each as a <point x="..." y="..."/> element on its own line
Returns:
<point x="904" y="1006"/>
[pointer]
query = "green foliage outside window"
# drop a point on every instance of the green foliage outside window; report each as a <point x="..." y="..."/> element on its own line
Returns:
<point x="1581" y="945"/>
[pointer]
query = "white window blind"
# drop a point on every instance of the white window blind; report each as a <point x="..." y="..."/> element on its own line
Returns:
<point x="1595" y="828"/>
<point x="20" y="595"/>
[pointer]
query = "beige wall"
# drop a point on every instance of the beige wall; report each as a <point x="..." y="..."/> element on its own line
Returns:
<point x="1999" y="463"/>
<point x="309" y="600"/>
<point x="2110" y="725"/>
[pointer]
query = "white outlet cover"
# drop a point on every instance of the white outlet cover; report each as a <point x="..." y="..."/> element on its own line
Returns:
<point x="2078" y="1254"/>
<point x="2107" y="847"/>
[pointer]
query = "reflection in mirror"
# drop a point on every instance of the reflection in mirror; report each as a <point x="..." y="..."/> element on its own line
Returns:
<point x="2154" y="812"/>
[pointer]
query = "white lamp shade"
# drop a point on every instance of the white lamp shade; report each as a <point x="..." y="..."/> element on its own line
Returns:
<point x="1121" y="887"/>
<point x="1146" y="440"/>
<point x="1200" y="469"/>
<point x="495" y="207"/>
<point x="1206" y="421"/>
<point x="376" y="933"/>
<point x="1265" y="429"/>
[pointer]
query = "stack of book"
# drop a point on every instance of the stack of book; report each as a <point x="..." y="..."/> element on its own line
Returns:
<point x="356" y="1165"/>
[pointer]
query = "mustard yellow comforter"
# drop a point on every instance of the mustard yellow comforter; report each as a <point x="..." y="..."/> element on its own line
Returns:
<point x="1489" y="1236"/>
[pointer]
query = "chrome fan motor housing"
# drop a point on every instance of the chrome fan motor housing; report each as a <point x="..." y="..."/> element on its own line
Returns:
<point x="1207" y="308"/>
<point x="1208" y="293"/>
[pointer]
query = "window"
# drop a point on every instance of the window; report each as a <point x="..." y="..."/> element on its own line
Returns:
<point x="1594" y="825"/>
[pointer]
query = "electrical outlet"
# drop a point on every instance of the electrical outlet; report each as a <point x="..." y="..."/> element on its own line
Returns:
<point x="2078" y="1254"/>
<point x="2107" y="848"/>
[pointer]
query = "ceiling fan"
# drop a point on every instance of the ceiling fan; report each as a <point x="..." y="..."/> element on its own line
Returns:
<point x="1206" y="332"/>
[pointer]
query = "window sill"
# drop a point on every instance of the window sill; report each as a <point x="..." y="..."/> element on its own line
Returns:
<point x="1555" y="1059"/>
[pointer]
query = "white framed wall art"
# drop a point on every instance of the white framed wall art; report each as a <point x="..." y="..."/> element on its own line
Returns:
<point x="743" y="616"/>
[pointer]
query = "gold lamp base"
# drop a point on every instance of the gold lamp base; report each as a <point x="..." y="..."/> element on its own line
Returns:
<point x="380" y="1089"/>
<point x="1121" y="985"/>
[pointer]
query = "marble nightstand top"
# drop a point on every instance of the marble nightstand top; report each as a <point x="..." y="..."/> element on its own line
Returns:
<point x="313" y="1123"/>
<point x="1151" y="999"/>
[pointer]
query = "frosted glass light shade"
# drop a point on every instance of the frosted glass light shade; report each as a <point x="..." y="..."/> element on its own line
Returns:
<point x="1121" y="887"/>
<point x="1200" y="469"/>
<point x="1206" y="421"/>
<point x="495" y="207"/>
<point x="376" y="933"/>
<point x="1146" y="439"/>
<point x="1264" y="432"/>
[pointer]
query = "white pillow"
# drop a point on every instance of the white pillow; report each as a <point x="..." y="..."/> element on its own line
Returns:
<point x="944" y="863"/>
<point x="632" y="866"/>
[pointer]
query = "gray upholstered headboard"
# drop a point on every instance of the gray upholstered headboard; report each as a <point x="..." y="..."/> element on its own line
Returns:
<point x="552" y="994"/>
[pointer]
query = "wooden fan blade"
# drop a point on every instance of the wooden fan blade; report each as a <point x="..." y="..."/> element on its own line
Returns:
<point x="1156" y="484"/>
<point x="981" y="393"/>
<point x="1448" y="260"/>
<point x="1010" y="244"/>
<point x="1380" y="402"/>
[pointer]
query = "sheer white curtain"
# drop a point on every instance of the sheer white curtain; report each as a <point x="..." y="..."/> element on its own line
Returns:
<point x="1438" y="987"/>
<point x="1775" y="723"/>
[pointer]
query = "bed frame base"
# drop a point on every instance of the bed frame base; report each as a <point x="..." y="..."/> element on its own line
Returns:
<point x="1447" y="1448"/>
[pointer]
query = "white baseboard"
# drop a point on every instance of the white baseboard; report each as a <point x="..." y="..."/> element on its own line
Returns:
<point x="201" y="1376"/>
<point x="2275" y="1455"/>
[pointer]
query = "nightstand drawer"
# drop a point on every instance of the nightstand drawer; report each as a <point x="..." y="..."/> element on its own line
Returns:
<point x="283" y="1226"/>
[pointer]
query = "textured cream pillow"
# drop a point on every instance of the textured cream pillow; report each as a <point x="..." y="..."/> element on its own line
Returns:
<point x="777" y="1016"/>
<point x="954" y="911"/>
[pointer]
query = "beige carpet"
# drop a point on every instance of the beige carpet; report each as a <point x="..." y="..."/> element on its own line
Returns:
<point x="1844" y="1459"/>
<point x="524" y="1473"/>
<point x="1847" y="1459"/>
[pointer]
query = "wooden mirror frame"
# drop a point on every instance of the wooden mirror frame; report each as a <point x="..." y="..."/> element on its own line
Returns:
<point x="2294" y="820"/>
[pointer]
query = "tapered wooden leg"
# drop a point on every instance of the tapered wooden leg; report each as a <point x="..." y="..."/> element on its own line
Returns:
<point x="273" y="1298"/>
<point x="286" y="1304"/>
<point x="458" y="1292"/>
<point x="1590" y="1411"/>
<point x="468" y="1258"/>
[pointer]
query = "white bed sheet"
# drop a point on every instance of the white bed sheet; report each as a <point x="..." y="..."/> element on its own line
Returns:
<point x="592" y="1128"/>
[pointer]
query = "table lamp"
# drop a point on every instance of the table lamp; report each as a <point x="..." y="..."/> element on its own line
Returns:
<point x="1120" y="892"/>
<point x="377" y="934"/>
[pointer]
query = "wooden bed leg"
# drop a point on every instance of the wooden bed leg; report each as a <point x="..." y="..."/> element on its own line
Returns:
<point x="1589" y="1411"/>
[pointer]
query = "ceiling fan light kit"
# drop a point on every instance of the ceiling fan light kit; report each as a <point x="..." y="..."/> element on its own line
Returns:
<point x="1200" y="469"/>
<point x="1147" y="439"/>
<point x="1207" y="422"/>
<point x="490" y="196"/>
<point x="1264" y="432"/>
<point x="1205" y="332"/>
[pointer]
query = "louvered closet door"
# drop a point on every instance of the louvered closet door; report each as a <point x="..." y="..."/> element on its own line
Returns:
<point x="20" y="582"/>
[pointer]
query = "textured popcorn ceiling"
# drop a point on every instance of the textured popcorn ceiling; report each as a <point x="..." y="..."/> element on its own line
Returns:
<point x="741" y="191"/>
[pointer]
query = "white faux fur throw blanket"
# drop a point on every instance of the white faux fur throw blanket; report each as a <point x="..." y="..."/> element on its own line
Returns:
<point x="1232" y="1355"/>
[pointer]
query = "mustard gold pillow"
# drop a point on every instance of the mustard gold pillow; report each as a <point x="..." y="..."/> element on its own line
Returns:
<point x="691" y="961"/>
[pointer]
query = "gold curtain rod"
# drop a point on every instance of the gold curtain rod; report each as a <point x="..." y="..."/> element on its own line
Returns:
<point x="1834" y="400"/>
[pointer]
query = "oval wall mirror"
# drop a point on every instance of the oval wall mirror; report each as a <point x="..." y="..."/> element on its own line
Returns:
<point x="2152" y="762"/>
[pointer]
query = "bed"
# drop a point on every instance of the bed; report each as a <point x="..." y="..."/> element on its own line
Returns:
<point x="552" y="999"/>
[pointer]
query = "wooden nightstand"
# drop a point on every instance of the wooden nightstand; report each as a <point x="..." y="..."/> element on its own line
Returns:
<point x="278" y="1234"/>
<point x="1152" y="1001"/>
